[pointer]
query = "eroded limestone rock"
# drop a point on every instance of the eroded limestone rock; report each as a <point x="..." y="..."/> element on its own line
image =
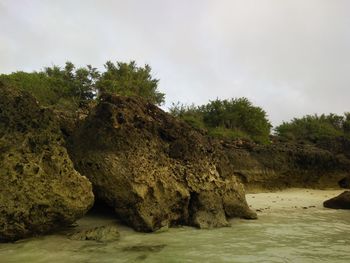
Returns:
<point x="155" y="170"/>
<point x="39" y="188"/>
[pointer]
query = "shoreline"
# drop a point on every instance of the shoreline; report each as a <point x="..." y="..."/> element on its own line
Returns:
<point x="283" y="231"/>
<point x="262" y="202"/>
<point x="290" y="198"/>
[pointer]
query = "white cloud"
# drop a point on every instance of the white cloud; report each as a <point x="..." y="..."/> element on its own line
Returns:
<point x="291" y="57"/>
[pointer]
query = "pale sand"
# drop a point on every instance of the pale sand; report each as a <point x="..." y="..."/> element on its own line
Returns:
<point x="294" y="198"/>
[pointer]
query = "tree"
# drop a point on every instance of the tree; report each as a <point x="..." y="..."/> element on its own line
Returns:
<point x="239" y="116"/>
<point x="188" y="113"/>
<point x="346" y="123"/>
<point x="234" y="118"/>
<point x="78" y="84"/>
<point x="36" y="83"/>
<point x="314" y="128"/>
<point x="130" y="80"/>
<point x="70" y="87"/>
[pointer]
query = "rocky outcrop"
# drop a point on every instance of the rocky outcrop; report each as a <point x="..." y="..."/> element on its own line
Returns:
<point x="341" y="201"/>
<point x="154" y="170"/>
<point x="70" y="120"/>
<point x="283" y="165"/>
<point x="40" y="190"/>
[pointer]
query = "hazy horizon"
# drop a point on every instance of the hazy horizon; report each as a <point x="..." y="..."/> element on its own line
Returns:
<point x="289" y="57"/>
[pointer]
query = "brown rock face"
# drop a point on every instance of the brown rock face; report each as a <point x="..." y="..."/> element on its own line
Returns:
<point x="282" y="165"/>
<point x="40" y="190"/>
<point x="341" y="201"/>
<point x="154" y="170"/>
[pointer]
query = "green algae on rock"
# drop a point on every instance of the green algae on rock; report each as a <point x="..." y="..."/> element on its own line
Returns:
<point x="40" y="190"/>
<point x="153" y="169"/>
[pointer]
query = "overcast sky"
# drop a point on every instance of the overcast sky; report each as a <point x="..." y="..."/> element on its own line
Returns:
<point x="291" y="57"/>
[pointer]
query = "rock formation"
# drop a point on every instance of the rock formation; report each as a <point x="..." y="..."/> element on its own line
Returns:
<point x="341" y="201"/>
<point x="155" y="170"/>
<point x="282" y="165"/>
<point x="40" y="190"/>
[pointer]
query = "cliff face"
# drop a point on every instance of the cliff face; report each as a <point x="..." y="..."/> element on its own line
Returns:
<point x="40" y="190"/>
<point x="282" y="165"/>
<point x="155" y="170"/>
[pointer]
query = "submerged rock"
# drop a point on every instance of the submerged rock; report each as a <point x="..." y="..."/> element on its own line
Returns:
<point x="155" y="170"/>
<point x="145" y="248"/>
<point x="100" y="234"/>
<point x="40" y="190"/>
<point x="341" y="201"/>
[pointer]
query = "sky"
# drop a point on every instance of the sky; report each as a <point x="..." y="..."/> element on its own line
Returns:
<point x="290" y="57"/>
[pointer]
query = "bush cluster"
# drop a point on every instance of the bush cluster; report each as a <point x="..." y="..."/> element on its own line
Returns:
<point x="70" y="87"/>
<point x="314" y="128"/>
<point x="234" y="118"/>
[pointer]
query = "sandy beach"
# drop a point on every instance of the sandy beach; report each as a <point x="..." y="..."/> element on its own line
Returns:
<point x="294" y="198"/>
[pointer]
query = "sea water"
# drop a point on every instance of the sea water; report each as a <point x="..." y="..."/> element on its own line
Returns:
<point x="289" y="234"/>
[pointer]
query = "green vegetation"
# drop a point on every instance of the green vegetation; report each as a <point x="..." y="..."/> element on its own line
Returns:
<point x="314" y="128"/>
<point x="235" y="118"/>
<point x="71" y="87"/>
<point x="129" y="80"/>
<point x="36" y="83"/>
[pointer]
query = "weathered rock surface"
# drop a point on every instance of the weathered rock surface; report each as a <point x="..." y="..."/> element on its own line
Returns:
<point x="283" y="165"/>
<point x="341" y="201"/>
<point x="39" y="188"/>
<point x="100" y="234"/>
<point x="155" y="170"/>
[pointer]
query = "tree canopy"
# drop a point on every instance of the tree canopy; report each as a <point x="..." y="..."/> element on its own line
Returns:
<point x="71" y="86"/>
<point x="234" y="118"/>
<point x="314" y="128"/>
<point x="130" y="80"/>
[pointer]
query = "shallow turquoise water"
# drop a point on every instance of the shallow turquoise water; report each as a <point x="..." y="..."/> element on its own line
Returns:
<point x="282" y="235"/>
